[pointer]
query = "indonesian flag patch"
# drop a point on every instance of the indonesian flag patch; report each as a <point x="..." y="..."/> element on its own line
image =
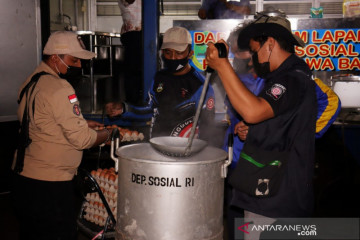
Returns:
<point x="276" y="91"/>
<point x="72" y="98"/>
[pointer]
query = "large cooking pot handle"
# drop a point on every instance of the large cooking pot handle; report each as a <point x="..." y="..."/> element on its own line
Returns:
<point x="115" y="140"/>
<point x="222" y="51"/>
<point x="224" y="167"/>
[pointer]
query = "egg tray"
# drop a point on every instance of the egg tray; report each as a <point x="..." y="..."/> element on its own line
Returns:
<point x="102" y="193"/>
<point x="127" y="134"/>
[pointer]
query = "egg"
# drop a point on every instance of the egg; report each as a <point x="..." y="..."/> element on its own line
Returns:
<point x="86" y="206"/>
<point x="97" y="175"/>
<point x="112" y="178"/>
<point x="134" y="135"/>
<point x="106" y="194"/>
<point x="101" y="206"/>
<point x="112" y="189"/>
<point x="96" y="218"/>
<point x="88" y="197"/>
<point x="106" y="186"/>
<point x="115" y="197"/>
<point x="100" y="222"/>
<point x="97" y="212"/>
<point x="97" y="199"/>
<point x="106" y="176"/>
<point x="91" y="210"/>
<point x="113" y="210"/>
<point x="102" y="175"/>
<point x="112" y="203"/>
<point x="93" y="172"/>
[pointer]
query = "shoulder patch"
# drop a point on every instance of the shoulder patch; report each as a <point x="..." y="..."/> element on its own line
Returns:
<point x="76" y="109"/>
<point x="276" y="91"/>
<point x="210" y="103"/>
<point x="72" y="98"/>
<point x="160" y="87"/>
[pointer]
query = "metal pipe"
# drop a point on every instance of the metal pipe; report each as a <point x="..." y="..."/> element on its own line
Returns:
<point x="61" y="11"/>
<point x="76" y="9"/>
<point x="92" y="98"/>
<point x="150" y="19"/>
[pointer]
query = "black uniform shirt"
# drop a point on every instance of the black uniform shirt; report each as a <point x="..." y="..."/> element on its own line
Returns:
<point x="293" y="99"/>
<point x="175" y="100"/>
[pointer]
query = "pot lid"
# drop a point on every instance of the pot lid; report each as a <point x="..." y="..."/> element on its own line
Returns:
<point x="144" y="152"/>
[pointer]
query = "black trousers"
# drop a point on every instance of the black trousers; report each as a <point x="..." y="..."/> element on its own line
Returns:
<point x="45" y="210"/>
<point x="232" y="212"/>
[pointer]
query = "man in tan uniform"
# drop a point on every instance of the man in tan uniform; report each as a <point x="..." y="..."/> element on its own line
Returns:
<point x="43" y="187"/>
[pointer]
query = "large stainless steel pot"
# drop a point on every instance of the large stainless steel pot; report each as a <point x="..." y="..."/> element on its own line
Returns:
<point x="348" y="90"/>
<point x="169" y="198"/>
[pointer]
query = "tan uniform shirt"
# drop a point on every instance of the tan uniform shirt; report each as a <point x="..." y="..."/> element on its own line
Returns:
<point x="57" y="129"/>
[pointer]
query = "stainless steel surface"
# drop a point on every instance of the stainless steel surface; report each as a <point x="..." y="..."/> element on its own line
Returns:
<point x="176" y="146"/>
<point x="348" y="90"/>
<point x="115" y="145"/>
<point x="102" y="44"/>
<point x="102" y="52"/>
<point x="169" y="198"/>
<point x="119" y="52"/>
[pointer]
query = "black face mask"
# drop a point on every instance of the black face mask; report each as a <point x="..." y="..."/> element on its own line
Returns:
<point x="241" y="65"/>
<point x="174" y="65"/>
<point x="73" y="75"/>
<point x="261" y="69"/>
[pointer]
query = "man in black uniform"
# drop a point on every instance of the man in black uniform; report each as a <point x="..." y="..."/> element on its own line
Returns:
<point x="175" y="92"/>
<point x="273" y="177"/>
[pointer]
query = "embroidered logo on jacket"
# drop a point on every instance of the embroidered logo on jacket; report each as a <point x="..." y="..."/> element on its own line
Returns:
<point x="184" y="93"/>
<point x="276" y="91"/>
<point x="183" y="129"/>
<point x="160" y="87"/>
<point x="76" y="109"/>
<point x="263" y="187"/>
<point x="210" y="103"/>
